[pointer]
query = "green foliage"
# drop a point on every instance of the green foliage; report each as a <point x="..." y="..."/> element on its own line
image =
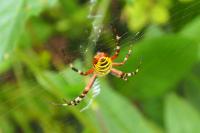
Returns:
<point x="191" y="30"/>
<point x="12" y="20"/>
<point x="180" y="116"/>
<point x="167" y="56"/>
<point x="163" y="97"/>
<point x="126" y="120"/>
<point x="142" y="12"/>
<point x="14" y="14"/>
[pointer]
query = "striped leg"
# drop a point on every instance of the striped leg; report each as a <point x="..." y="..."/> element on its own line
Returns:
<point x="123" y="75"/>
<point x="90" y="71"/>
<point x="78" y="99"/>
<point x="125" y="59"/>
<point x="117" y="48"/>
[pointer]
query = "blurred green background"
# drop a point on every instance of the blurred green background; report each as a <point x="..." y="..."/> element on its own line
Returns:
<point x="39" y="38"/>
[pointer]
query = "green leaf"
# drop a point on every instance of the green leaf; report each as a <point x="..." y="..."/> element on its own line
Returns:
<point x="165" y="61"/>
<point x="180" y="116"/>
<point x="192" y="29"/>
<point x="118" y="115"/>
<point x="12" y="17"/>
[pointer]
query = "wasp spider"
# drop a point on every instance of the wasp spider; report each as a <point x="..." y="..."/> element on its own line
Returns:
<point x="102" y="65"/>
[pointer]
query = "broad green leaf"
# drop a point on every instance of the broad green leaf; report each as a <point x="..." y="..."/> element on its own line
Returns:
<point x="180" y="116"/>
<point x="165" y="61"/>
<point x="192" y="29"/>
<point x="118" y="115"/>
<point x="12" y="17"/>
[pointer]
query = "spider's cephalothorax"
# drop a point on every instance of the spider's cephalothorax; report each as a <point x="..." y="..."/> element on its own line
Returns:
<point x="102" y="65"/>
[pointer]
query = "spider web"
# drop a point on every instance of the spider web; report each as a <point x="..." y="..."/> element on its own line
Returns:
<point x="99" y="28"/>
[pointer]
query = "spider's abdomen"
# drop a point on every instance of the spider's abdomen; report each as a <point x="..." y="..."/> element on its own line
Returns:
<point x="102" y="66"/>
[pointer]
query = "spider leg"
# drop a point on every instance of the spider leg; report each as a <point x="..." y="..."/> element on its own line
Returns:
<point x="125" y="59"/>
<point x="90" y="71"/>
<point x="117" y="48"/>
<point x="123" y="75"/>
<point x="78" y="99"/>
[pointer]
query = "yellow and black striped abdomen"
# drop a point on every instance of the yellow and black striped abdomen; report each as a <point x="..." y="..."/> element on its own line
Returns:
<point x="103" y="66"/>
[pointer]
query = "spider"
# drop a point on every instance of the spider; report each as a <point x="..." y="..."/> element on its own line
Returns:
<point x="102" y="65"/>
